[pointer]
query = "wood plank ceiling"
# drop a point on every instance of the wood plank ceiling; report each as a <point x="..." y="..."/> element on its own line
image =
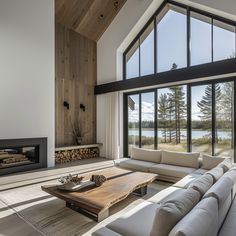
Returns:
<point x="89" y="18"/>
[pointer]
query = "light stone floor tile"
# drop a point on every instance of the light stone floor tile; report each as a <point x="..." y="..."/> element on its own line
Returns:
<point x="28" y="210"/>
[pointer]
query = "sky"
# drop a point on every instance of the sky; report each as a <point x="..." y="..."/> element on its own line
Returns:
<point x="171" y="48"/>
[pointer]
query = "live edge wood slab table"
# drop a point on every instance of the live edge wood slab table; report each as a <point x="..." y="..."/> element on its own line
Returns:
<point x="95" y="202"/>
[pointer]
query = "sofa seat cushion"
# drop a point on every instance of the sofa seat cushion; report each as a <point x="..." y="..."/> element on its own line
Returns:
<point x="226" y="164"/>
<point x="180" y="159"/>
<point x="229" y="226"/>
<point x="171" y="170"/>
<point x="173" y="210"/>
<point x="210" y="162"/>
<point x="136" y="165"/>
<point x="202" y="220"/>
<point x="136" y="222"/>
<point x="163" y="195"/>
<point x="216" y="173"/>
<point x="146" y="154"/>
<point x="105" y="232"/>
<point x="187" y="180"/>
<point x="200" y="171"/>
<point x="169" y="179"/>
<point x="202" y="184"/>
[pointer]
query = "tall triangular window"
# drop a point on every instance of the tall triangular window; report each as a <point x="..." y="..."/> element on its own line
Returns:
<point x="178" y="36"/>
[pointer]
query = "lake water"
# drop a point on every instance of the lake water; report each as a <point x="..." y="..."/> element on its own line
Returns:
<point x="195" y="134"/>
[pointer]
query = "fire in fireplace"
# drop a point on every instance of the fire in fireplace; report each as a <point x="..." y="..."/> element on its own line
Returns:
<point x="22" y="154"/>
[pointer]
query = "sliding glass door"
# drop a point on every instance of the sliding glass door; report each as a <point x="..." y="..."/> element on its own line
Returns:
<point x="133" y="122"/>
<point x="201" y="118"/>
<point x="172" y="118"/>
<point x="197" y="118"/>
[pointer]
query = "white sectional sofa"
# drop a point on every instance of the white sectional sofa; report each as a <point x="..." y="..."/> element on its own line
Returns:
<point x="201" y="202"/>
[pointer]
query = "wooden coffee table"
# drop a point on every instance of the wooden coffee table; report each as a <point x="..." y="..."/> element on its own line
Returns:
<point x="95" y="202"/>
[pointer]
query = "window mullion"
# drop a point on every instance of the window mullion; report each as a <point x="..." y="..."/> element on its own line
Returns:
<point x="189" y="119"/>
<point x="155" y="46"/>
<point x="188" y="38"/>
<point x="140" y="120"/>
<point x="212" y="41"/>
<point x="156" y="121"/>
<point x="213" y="120"/>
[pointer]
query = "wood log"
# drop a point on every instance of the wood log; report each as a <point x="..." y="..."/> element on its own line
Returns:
<point x="65" y="156"/>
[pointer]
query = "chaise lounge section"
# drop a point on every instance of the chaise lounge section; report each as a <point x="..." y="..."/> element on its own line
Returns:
<point x="203" y="192"/>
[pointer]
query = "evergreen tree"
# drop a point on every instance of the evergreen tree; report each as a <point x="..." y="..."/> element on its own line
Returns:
<point x="226" y="107"/>
<point x="178" y="107"/>
<point x="162" y="114"/>
<point x="205" y="105"/>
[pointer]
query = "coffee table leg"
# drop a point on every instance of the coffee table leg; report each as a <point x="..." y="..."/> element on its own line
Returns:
<point x="141" y="191"/>
<point x="96" y="217"/>
<point x="102" y="215"/>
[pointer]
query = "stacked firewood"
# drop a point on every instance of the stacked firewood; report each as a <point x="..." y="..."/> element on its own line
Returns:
<point x="65" y="156"/>
<point x="8" y="158"/>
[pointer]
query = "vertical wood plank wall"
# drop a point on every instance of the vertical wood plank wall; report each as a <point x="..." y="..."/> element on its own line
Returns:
<point x="75" y="80"/>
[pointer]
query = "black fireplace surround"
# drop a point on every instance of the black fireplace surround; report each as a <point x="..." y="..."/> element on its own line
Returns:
<point x="25" y="154"/>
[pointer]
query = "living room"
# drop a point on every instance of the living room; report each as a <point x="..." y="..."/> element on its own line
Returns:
<point x="117" y="111"/>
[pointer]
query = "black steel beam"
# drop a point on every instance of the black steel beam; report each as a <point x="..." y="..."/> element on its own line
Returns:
<point x="184" y="74"/>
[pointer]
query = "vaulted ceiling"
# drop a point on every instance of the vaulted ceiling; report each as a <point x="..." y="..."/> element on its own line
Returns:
<point x="90" y="18"/>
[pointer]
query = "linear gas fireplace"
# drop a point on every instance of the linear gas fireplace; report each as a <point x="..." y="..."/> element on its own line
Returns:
<point x="22" y="154"/>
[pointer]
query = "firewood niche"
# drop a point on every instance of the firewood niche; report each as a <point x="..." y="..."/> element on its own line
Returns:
<point x="75" y="153"/>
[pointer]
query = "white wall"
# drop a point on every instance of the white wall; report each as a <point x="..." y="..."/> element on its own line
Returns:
<point x="27" y="70"/>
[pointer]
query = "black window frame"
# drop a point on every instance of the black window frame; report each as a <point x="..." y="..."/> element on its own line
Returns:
<point x="189" y="9"/>
<point x="189" y="113"/>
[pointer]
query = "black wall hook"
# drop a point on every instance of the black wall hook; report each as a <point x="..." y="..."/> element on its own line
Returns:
<point x="66" y="104"/>
<point x="82" y="107"/>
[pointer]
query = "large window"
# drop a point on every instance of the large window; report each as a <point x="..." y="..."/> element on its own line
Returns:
<point x="200" y="47"/>
<point x="171" y="39"/>
<point x="132" y="62"/>
<point x="224" y="40"/>
<point x="179" y="37"/>
<point x="201" y="116"/>
<point x="197" y="118"/>
<point x="148" y="119"/>
<point x="224" y="98"/>
<point x="133" y="121"/>
<point x="172" y="118"/>
<point x="147" y="51"/>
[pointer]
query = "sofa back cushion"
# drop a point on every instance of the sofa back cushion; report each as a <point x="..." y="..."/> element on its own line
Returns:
<point x="146" y="155"/>
<point x="216" y="173"/>
<point x="209" y="162"/>
<point x="202" y="184"/>
<point x="173" y="210"/>
<point x="221" y="191"/>
<point x="201" y="220"/>
<point x="231" y="174"/>
<point x="226" y="164"/>
<point x="180" y="159"/>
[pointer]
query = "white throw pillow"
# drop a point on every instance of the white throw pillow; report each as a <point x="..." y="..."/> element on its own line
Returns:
<point x="185" y="159"/>
<point x="210" y="162"/>
<point x="146" y="154"/>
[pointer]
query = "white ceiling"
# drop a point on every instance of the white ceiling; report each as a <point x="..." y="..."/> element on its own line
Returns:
<point x="228" y="6"/>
